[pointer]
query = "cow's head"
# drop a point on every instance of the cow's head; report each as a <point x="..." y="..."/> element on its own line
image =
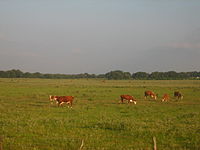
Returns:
<point x="51" y="97"/>
<point x="133" y="101"/>
<point x="55" y="98"/>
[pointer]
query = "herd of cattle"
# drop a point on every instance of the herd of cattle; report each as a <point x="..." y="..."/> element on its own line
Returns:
<point x="130" y="99"/>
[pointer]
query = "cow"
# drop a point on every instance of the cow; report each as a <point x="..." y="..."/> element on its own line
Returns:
<point x="178" y="95"/>
<point x="129" y="98"/>
<point x="165" y="98"/>
<point x="151" y="94"/>
<point x="64" y="99"/>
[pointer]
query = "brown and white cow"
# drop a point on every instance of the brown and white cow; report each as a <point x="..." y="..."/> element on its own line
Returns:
<point x="129" y="98"/>
<point x="64" y="99"/>
<point x="178" y="95"/>
<point x="151" y="94"/>
<point x="165" y="98"/>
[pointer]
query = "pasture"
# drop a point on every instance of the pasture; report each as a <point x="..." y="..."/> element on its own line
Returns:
<point x="29" y="122"/>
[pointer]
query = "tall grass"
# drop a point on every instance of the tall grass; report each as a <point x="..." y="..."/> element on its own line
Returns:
<point x="28" y="121"/>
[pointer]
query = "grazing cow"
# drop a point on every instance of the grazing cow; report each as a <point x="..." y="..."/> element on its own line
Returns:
<point x="178" y="95"/>
<point x="165" y="98"/>
<point x="151" y="94"/>
<point x="64" y="99"/>
<point x="129" y="98"/>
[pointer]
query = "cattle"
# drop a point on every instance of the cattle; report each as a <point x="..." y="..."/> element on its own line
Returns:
<point x="151" y="94"/>
<point x="178" y="95"/>
<point x="129" y="98"/>
<point x="64" y="99"/>
<point x="165" y="98"/>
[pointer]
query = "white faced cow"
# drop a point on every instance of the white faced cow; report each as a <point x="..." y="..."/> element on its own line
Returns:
<point x="64" y="99"/>
<point x="165" y="98"/>
<point x="151" y="94"/>
<point x="129" y="98"/>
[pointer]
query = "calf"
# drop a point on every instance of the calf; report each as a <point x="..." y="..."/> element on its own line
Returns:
<point x="165" y="98"/>
<point x="64" y="99"/>
<point x="129" y="98"/>
<point x="178" y="95"/>
<point x="151" y="94"/>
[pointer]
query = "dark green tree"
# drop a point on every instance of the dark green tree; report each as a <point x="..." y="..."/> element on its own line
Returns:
<point x="140" y="75"/>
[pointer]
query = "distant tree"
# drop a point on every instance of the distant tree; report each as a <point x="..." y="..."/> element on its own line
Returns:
<point x="11" y="74"/>
<point x="193" y="74"/>
<point x="37" y="75"/>
<point x="115" y="75"/>
<point x="118" y="75"/>
<point x="155" y="75"/>
<point x="18" y="73"/>
<point x="127" y="75"/>
<point x="140" y="75"/>
<point x="182" y="75"/>
<point x="48" y="76"/>
<point x="3" y="74"/>
<point x="101" y="76"/>
<point x="171" y="75"/>
<point x="27" y="75"/>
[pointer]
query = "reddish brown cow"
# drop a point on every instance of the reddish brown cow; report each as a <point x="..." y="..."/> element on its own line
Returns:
<point x="151" y="94"/>
<point x="178" y="95"/>
<point x="64" y="99"/>
<point x="129" y="98"/>
<point x="165" y="97"/>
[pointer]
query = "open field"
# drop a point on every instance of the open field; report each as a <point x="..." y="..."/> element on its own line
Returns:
<point x="29" y="122"/>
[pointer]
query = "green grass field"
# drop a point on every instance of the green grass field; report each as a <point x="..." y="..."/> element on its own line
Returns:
<point x="29" y="122"/>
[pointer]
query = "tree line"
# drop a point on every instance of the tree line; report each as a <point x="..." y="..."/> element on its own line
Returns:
<point x="112" y="75"/>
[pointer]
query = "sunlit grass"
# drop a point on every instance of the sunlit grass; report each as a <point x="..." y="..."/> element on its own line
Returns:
<point x="28" y="121"/>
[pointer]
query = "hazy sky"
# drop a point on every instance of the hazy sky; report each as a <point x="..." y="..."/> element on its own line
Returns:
<point x="97" y="36"/>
